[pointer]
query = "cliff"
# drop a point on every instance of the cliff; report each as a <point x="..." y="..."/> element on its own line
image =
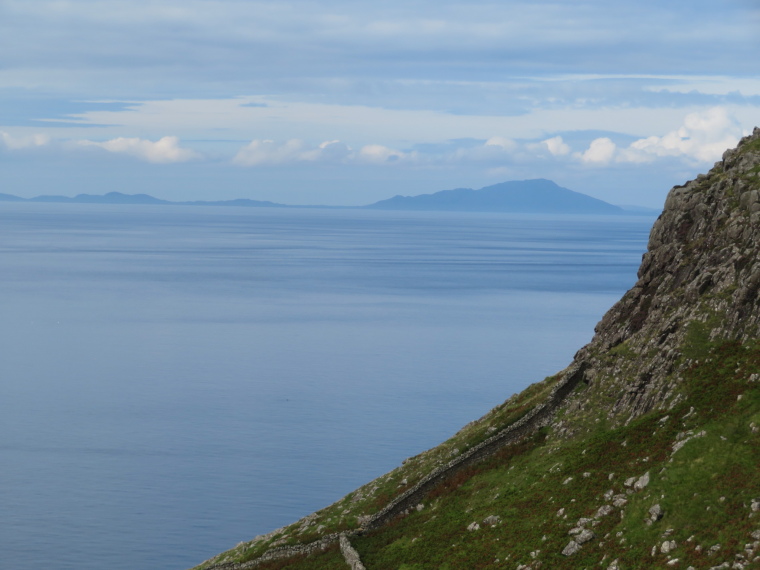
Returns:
<point x="643" y="452"/>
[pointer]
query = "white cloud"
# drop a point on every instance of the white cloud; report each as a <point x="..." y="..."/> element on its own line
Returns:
<point x="329" y="151"/>
<point x="556" y="146"/>
<point x="702" y="138"/>
<point x="502" y="143"/>
<point x="31" y="141"/>
<point x="379" y="154"/>
<point x="164" y="151"/>
<point x="261" y="152"/>
<point x="268" y="152"/>
<point x="601" y="151"/>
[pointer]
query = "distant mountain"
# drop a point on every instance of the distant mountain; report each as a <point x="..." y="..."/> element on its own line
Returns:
<point x="119" y="198"/>
<point x="110" y="198"/>
<point x="10" y="198"/>
<point x="538" y="196"/>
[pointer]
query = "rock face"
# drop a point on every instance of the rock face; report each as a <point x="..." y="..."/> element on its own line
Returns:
<point x="698" y="281"/>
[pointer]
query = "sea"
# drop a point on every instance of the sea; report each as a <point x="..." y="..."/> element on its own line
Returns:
<point x="177" y="379"/>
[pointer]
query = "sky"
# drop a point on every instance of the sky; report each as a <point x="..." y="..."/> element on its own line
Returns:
<point x="349" y="102"/>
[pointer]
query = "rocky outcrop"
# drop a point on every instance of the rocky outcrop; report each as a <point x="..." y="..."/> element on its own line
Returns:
<point x="698" y="281"/>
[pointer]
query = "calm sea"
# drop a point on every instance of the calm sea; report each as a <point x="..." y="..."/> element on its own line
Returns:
<point x="174" y="380"/>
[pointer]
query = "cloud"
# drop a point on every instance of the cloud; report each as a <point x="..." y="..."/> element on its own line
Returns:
<point x="502" y="143"/>
<point x="556" y="146"/>
<point x="702" y="138"/>
<point x="16" y="143"/>
<point x="334" y="151"/>
<point x="164" y="151"/>
<point x="268" y="152"/>
<point x="379" y="154"/>
<point x="234" y="47"/>
<point x="600" y="151"/>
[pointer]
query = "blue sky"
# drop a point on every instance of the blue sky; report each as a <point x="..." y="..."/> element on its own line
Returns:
<point x="350" y="102"/>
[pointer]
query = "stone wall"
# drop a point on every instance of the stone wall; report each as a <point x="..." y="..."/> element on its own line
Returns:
<point x="282" y="552"/>
<point x="529" y="424"/>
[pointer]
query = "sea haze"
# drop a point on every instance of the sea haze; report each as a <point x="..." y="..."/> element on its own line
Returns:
<point x="175" y="380"/>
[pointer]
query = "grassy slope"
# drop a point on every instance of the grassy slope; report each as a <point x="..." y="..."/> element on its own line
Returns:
<point x="705" y="488"/>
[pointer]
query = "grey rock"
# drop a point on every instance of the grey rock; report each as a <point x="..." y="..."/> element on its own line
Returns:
<point x="655" y="513"/>
<point x="571" y="548"/>
<point x="642" y="482"/>
<point x="620" y="501"/>
<point x="584" y="536"/>
<point x="603" y="511"/>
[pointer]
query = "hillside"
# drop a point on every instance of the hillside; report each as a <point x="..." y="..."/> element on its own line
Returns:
<point x="642" y="453"/>
<point x="537" y="196"/>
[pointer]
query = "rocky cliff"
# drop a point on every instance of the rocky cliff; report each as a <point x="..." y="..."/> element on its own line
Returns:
<point x="698" y="281"/>
<point x="644" y="452"/>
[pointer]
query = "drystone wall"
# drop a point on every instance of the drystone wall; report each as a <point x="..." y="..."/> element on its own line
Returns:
<point x="282" y="552"/>
<point x="529" y="424"/>
<point x="349" y="554"/>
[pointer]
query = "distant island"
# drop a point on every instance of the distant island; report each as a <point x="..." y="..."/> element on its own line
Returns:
<point x="119" y="198"/>
<point x="537" y="196"/>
